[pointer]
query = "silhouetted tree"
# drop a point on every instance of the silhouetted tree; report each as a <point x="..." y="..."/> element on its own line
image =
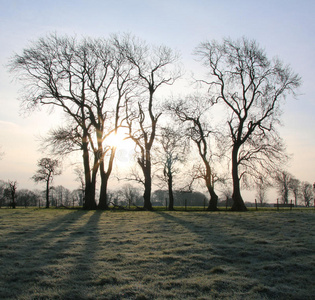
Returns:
<point x="10" y="192"/>
<point x="283" y="179"/>
<point x="47" y="169"/>
<point x="251" y="87"/>
<point x="307" y="193"/>
<point x="3" y="185"/>
<point x="152" y="71"/>
<point x="191" y="111"/>
<point x="77" y="197"/>
<point x="262" y="186"/>
<point x="295" y="187"/>
<point x="86" y="79"/>
<point x="172" y="152"/>
<point x="80" y="178"/>
<point x="62" y="196"/>
<point x="131" y="195"/>
<point x="26" y="198"/>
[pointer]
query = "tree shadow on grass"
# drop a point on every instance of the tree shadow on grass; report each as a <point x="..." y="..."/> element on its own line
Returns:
<point x="30" y="257"/>
<point x="83" y="248"/>
<point x="244" y="258"/>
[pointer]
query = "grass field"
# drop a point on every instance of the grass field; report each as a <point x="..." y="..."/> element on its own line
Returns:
<point x="75" y="254"/>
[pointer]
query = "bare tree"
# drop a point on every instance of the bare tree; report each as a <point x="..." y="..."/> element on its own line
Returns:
<point x="47" y="169"/>
<point x="53" y="70"/>
<point x="172" y="152"/>
<point x="3" y="185"/>
<point x="251" y="87"/>
<point x="77" y="197"/>
<point x="295" y="187"/>
<point x="80" y="178"/>
<point x="227" y="194"/>
<point x="283" y="179"/>
<point x="10" y="192"/>
<point x="307" y="193"/>
<point x="191" y="111"/>
<point x="262" y="186"/>
<point x="116" y="84"/>
<point x="62" y="196"/>
<point x="151" y="71"/>
<point x="26" y="198"/>
<point x="86" y="79"/>
<point x="131" y="194"/>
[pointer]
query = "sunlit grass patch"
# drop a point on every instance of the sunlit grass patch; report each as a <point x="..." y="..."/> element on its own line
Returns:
<point x="75" y="254"/>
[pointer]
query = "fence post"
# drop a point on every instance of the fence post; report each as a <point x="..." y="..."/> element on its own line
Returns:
<point x="291" y="205"/>
<point x="277" y="203"/>
<point x="256" y="204"/>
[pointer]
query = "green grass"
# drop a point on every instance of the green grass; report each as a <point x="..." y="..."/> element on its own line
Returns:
<point x="75" y="254"/>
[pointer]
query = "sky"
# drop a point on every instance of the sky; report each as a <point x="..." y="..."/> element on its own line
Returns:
<point x="284" y="28"/>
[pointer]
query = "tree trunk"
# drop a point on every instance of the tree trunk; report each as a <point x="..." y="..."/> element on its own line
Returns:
<point x="103" y="205"/>
<point x="145" y="165"/>
<point x="13" y="202"/>
<point x="89" y="193"/>
<point x="47" y="193"/>
<point x="147" y="194"/>
<point x="170" y="192"/>
<point x="213" y="203"/>
<point x="238" y="203"/>
<point x="103" y="202"/>
<point x="93" y="183"/>
<point x="147" y="205"/>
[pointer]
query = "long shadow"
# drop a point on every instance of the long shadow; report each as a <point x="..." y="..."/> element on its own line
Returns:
<point x="210" y="239"/>
<point x="24" y="262"/>
<point x="82" y="268"/>
<point x="190" y="226"/>
<point x="49" y="227"/>
<point x="247" y="254"/>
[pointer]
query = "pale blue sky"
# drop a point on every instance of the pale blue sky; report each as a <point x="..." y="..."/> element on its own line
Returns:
<point x="285" y="28"/>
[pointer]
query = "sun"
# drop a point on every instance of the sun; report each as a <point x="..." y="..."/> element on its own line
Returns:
<point x="125" y="148"/>
<point x="116" y="139"/>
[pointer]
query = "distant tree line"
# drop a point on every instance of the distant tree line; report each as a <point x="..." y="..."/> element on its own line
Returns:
<point x="128" y="196"/>
<point x="291" y="188"/>
<point x="59" y="196"/>
<point x="106" y="85"/>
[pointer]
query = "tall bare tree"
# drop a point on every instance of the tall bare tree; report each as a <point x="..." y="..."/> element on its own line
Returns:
<point x="86" y="79"/>
<point x="152" y="70"/>
<point x="192" y="111"/>
<point x="53" y="73"/>
<point x="47" y="169"/>
<point x="251" y="87"/>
